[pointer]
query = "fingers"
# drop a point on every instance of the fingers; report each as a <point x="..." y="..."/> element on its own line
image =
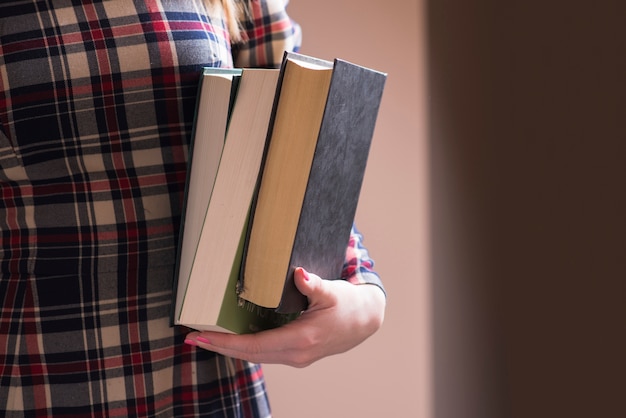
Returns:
<point x="280" y="345"/>
<point x="246" y="347"/>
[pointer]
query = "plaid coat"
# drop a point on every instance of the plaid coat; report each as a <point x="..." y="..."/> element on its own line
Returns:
<point x="96" y="103"/>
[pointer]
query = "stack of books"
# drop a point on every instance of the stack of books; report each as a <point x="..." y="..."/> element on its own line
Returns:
<point x="275" y="171"/>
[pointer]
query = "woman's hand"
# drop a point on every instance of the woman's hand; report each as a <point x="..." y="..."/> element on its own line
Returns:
<point x="340" y="316"/>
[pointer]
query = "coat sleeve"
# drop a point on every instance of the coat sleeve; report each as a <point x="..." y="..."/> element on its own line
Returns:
<point x="358" y="267"/>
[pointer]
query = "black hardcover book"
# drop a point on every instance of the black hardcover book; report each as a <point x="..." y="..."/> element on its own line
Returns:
<point x="331" y="199"/>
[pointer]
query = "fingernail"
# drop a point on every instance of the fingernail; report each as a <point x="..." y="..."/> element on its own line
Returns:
<point x="305" y="274"/>
<point x="190" y="342"/>
<point x="203" y="340"/>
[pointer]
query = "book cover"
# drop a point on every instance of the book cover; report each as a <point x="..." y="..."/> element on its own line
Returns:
<point x="207" y="291"/>
<point x="324" y="203"/>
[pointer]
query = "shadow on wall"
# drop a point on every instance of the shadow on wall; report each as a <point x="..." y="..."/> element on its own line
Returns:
<point x="527" y="105"/>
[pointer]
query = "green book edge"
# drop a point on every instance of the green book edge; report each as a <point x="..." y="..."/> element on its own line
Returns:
<point x="243" y="317"/>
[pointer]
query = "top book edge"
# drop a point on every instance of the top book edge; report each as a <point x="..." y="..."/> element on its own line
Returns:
<point x="220" y="71"/>
<point x="381" y="73"/>
<point x="307" y="61"/>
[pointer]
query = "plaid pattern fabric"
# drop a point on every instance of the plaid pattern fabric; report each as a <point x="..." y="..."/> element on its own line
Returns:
<point x="96" y="104"/>
<point x="358" y="267"/>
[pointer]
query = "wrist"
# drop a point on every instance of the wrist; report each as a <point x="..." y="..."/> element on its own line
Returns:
<point x="374" y="303"/>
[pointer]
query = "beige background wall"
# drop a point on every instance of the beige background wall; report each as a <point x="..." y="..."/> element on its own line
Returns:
<point x="391" y="370"/>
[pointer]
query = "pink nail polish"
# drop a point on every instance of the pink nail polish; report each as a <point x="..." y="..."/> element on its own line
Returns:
<point x="203" y="340"/>
<point x="305" y="274"/>
<point x="190" y="342"/>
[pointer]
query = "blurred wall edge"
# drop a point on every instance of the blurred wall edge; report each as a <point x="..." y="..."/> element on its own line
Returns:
<point x="527" y="106"/>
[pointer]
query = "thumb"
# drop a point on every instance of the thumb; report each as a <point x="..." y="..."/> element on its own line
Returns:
<point x="317" y="290"/>
<point x="309" y="284"/>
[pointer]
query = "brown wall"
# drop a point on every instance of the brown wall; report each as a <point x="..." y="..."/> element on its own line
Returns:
<point x="527" y="114"/>
<point x="391" y="369"/>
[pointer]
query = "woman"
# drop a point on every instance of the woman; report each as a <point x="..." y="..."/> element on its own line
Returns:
<point x="96" y="104"/>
